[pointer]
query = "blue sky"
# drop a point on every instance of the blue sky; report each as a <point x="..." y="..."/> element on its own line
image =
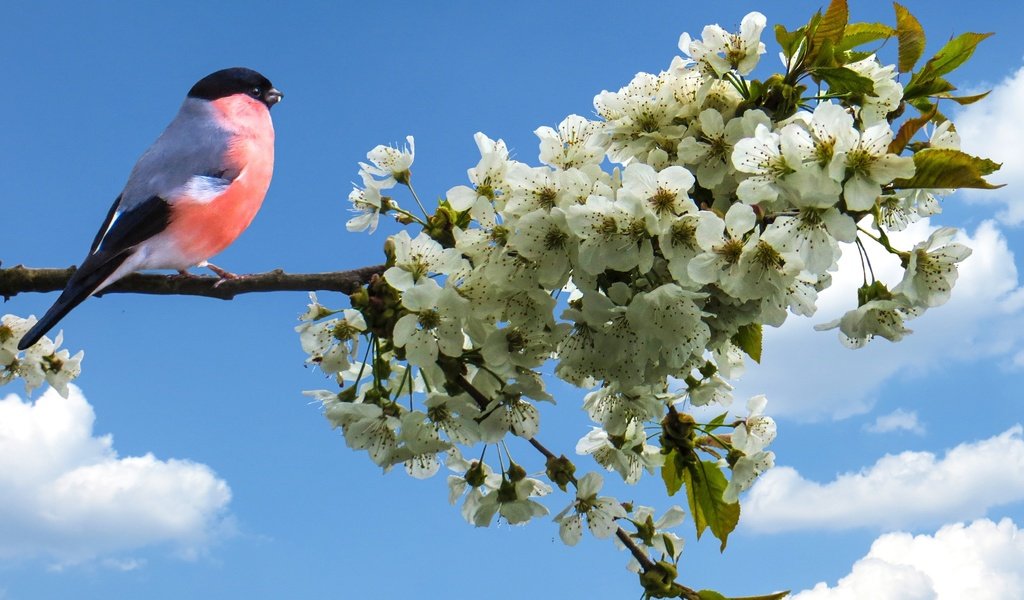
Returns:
<point x="87" y="87"/>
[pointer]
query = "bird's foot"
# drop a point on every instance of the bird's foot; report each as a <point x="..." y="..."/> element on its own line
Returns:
<point x="224" y="275"/>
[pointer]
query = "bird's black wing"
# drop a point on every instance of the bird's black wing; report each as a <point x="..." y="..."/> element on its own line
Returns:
<point x="121" y="231"/>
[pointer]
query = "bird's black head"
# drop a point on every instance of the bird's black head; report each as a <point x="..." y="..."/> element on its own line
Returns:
<point x="236" y="80"/>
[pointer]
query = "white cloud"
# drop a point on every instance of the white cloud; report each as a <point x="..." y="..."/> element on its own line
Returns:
<point x="994" y="128"/>
<point x="897" y="420"/>
<point x="69" y="498"/>
<point x="904" y="490"/>
<point x="808" y="375"/>
<point x="980" y="561"/>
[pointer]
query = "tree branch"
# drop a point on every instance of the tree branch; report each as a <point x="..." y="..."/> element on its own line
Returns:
<point x="20" y="279"/>
<point x="638" y="553"/>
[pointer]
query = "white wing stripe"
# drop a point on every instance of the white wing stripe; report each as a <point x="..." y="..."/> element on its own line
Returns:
<point x="203" y="188"/>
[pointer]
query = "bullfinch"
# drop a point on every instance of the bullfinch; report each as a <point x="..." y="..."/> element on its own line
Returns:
<point x="190" y="194"/>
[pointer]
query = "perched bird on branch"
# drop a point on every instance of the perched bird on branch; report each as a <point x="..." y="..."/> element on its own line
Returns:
<point x="190" y="194"/>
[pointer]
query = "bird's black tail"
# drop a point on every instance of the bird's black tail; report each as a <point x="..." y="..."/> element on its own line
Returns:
<point x="93" y="272"/>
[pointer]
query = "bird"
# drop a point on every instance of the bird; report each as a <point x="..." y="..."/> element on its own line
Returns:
<point x="189" y="196"/>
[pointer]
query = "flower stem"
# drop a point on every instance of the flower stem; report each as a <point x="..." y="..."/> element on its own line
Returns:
<point x="409" y="215"/>
<point x="416" y="197"/>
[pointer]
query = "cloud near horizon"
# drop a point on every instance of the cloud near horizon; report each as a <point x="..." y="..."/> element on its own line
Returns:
<point x="68" y="498"/>
<point x="994" y="128"/>
<point x="980" y="561"/>
<point x="905" y="490"/>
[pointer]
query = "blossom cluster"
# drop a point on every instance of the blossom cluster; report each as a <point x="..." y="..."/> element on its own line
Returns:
<point x="42" y="362"/>
<point x="638" y="260"/>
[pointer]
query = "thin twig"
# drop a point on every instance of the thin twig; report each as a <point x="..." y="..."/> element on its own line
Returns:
<point x="481" y="401"/>
<point x="20" y="279"/>
<point x="638" y="553"/>
<point x="540" y="448"/>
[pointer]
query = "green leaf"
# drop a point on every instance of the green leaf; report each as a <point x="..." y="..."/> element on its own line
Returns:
<point x="705" y="483"/>
<point x="775" y="596"/>
<point x="716" y="422"/>
<point x="945" y="168"/>
<point x="962" y="100"/>
<point x="710" y="595"/>
<point x="788" y="40"/>
<point x="670" y="548"/>
<point x="932" y="87"/>
<point x="832" y="25"/>
<point x="824" y="55"/>
<point x="857" y="34"/>
<point x="855" y="55"/>
<point x="845" y="81"/>
<point x="925" y="106"/>
<point x="908" y="130"/>
<point x="910" y="36"/>
<point x="953" y="54"/>
<point x="748" y="339"/>
<point x="671" y="474"/>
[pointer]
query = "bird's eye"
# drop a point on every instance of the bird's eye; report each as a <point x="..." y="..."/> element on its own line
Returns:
<point x="256" y="92"/>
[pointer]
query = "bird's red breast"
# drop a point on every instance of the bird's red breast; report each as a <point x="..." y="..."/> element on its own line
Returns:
<point x="204" y="227"/>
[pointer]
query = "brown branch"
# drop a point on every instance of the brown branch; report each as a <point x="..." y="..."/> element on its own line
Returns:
<point x="20" y="279"/>
<point x="638" y="553"/>
<point x="641" y="557"/>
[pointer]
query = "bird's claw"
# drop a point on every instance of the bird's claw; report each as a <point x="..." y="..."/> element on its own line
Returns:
<point x="224" y="275"/>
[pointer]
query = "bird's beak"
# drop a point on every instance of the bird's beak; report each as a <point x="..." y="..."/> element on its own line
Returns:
<point x="272" y="96"/>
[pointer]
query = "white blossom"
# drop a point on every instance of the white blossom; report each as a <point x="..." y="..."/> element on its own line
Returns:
<point x="710" y="141"/>
<point x="418" y="258"/>
<point x="879" y="317"/>
<point x="723" y="242"/>
<point x="614" y="234"/>
<point x="600" y="512"/>
<point x="12" y="329"/>
<point x="333" y="343"/>
<point x="663" y="195"/>
<point x="814" y="235"/>
<point x="511" y="414"/>
<point x="419" y="445"/>
<point x="488" y="176"/>
<point x="766" y="162"/>
<point x="544" y="237"/>
<point x="751" y="438"/>
<point x="512" y="500"/>
<point x="931" y="273"/>
<point x="367" y="427"/>
<point x="367" y="203"/>
<point x="639" y="118"/>
<point x="390" y="162"/>
<point x="661" y="540"/>
<point x="575" y="143"/>
<point x="615" y="410"/>
<point x="627" y="454"/>
<point x="887" y="92"/>
<point x="870" y="166"/>
<point x="455" y="416"/>
<point x="434" y="324"/>
<point x="722" y="51"/>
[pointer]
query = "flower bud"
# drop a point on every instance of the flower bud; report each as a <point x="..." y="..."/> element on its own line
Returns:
<point x="660" y="581"/>
<point x="561" y="471"/>
<point x="475" y="475"/>
<point x="516" y="473"/>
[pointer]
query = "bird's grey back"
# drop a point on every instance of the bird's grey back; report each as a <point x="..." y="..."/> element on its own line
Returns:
<point x="193" y="144"/>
